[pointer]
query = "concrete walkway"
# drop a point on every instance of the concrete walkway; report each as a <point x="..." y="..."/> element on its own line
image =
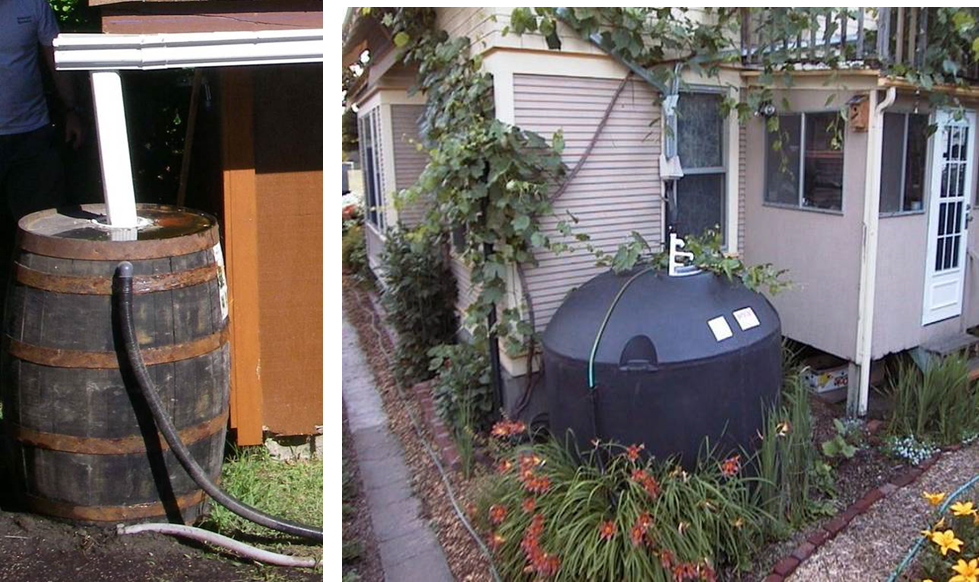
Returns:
<point x="409" y="550"/>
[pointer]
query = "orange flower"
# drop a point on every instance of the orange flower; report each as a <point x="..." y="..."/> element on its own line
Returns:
<point x="505" y="465"/>
<point x="684" y="571"/>
<point x="666" y="559"/>
<point x="635" y="534"/>
<point x="632" y="451"/>
<point x="731" y="466"/>
<point x="508" y="428"/>
<point x="529" y="504"/>
<point x="497" y="513"/>
<point x="645" y="520"/>
<point x="606" y="529"/>
<point x="496" y="540"/>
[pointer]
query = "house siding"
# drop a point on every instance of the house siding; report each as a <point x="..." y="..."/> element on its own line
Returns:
<point x="408" y="160"/>
<point x="742" y="170"/>
<point x="901" y="258"/>
<point x="821" y="251"/>
<point x="617" y="190"/>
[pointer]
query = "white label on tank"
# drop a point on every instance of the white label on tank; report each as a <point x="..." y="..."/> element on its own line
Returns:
<point x="222" y="280"/>
<point x="746" y="318"/>
<point x="721" y="329"/>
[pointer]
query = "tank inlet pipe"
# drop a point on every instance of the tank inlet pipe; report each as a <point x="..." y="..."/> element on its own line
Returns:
<point x="601" y="329"/>
<point x="210" y="537"/>
<point x="122" y="296"/>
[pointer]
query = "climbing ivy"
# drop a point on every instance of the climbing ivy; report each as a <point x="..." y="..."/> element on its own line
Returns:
<point x="486" y="181"/>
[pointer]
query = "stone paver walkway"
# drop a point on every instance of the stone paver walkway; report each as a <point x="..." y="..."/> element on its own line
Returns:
<point x="875" y="542"/>
<point x="409" y="550"/>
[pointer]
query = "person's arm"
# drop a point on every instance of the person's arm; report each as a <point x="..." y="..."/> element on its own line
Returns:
<point x="47" y="30"/>
<point x="66" y="93"/>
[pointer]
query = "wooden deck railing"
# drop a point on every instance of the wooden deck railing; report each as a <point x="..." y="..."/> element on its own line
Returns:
<point x="885" y="37"/>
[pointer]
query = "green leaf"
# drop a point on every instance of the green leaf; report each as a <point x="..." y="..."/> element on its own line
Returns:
<point x="521" y="222"/>
<point x="401" y="39"/>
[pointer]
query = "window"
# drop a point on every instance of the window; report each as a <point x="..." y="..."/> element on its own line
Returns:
<point x="371" y="163"/>
<point x="807" y="170"/>
<point x="700" y="194"/>
<point x="903" y="158"/>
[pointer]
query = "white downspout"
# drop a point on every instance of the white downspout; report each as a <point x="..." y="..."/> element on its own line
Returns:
<point x="859" y="391"/>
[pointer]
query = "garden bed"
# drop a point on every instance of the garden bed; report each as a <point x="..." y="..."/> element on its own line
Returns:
<point x="856" y="479"/>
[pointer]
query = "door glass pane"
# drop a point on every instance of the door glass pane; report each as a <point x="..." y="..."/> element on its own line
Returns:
<point x="914" y="163"/>
<point x="890" y="163"/>
<point x="939" y="253"/>
<point x="955" y="251"/>
<point x="699" y="130"/>
<point x="699" y="204"/>
<point x="941" y="218"/>
<point x="782" y="165"/>
<point x="823" y="185"/>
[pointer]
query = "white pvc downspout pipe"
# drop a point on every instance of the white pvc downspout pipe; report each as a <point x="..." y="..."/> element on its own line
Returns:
<point x="859" y="391"/>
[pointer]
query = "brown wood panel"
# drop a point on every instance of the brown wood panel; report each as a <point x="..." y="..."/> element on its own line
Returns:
<point x="289" y="181"/>
<point x="209" y="16"/>
<point x="241" y="249"/>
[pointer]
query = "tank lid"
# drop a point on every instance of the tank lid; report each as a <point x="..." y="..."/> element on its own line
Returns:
<point x="660" y="318"/>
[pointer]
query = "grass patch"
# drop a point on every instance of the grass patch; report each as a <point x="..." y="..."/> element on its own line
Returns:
<point x="288" y="489"/>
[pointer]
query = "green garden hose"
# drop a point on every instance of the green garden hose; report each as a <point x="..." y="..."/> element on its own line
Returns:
<point x="601" y="329"/>
<point x="917" y="545"/>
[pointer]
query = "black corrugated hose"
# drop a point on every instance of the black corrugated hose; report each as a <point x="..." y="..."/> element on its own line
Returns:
<point x="122" y="291"/>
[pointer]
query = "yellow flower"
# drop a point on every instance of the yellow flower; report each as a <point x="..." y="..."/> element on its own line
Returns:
<point x="947" y="541"/>
<point x="967" y="572"/>
<point x="933" y="498"/>
<point x="961" y="509"/>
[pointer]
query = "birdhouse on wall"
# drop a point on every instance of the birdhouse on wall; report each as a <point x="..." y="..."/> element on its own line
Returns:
<point x="859" y="113"/>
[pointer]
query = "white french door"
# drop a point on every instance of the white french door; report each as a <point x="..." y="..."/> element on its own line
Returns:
<point x="948" y="205"/>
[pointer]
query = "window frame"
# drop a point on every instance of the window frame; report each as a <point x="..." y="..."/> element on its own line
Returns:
<point x="802" y="166"/>
<point x="904" y="166"/>
<point x="373" y="187"/>
<point x="723" y="170"/>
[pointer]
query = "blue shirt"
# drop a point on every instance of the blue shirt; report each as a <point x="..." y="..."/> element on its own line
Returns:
<point x="24" y="24"/>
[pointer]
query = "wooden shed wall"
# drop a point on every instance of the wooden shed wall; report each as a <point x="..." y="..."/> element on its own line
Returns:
<point x="289" y="182"/>
<point x="617" y="190"/>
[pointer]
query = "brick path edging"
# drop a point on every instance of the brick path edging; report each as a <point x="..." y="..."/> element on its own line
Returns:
<point x="788" y="564"/>
<point x="422" y="393"/>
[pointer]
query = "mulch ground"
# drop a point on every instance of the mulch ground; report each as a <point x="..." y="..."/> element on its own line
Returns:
<point x="875" y="542"/>
<point x="464" y="557"/>
<point x="358" y="527"/>
<point x="868" y="469"/>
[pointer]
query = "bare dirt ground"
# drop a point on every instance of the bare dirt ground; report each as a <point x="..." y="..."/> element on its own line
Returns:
<point x="36" y="549"/>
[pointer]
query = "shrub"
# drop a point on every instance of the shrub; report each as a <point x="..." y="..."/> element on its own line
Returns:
<point x="420" y="299"/>
<point x="463" y="389"/>
<point x="794" y="482"/>
<point x="939" y="404"/>
<point x="354" y="250"/>
<point x="615" y="516"/>
<point x="908" y="449"/>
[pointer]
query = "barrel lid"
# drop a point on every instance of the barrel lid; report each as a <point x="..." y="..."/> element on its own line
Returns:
<point x="683" y="319"/>
<point x="74" y="233"/>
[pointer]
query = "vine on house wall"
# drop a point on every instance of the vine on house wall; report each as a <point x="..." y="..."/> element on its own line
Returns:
<point x="485" y="180"/>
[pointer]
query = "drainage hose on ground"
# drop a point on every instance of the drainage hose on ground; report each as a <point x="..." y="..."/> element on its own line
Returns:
<point x="122" y="288"/>
<point x="203" y="535"/>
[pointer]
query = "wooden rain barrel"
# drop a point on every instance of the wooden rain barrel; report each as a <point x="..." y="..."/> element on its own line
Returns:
<point x="82" y="442"/>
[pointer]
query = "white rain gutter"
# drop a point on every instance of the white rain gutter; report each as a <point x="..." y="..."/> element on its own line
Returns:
<point x="858" y="392"/>
<point x="107" y="54"/>
<point x="96" y="52"/>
